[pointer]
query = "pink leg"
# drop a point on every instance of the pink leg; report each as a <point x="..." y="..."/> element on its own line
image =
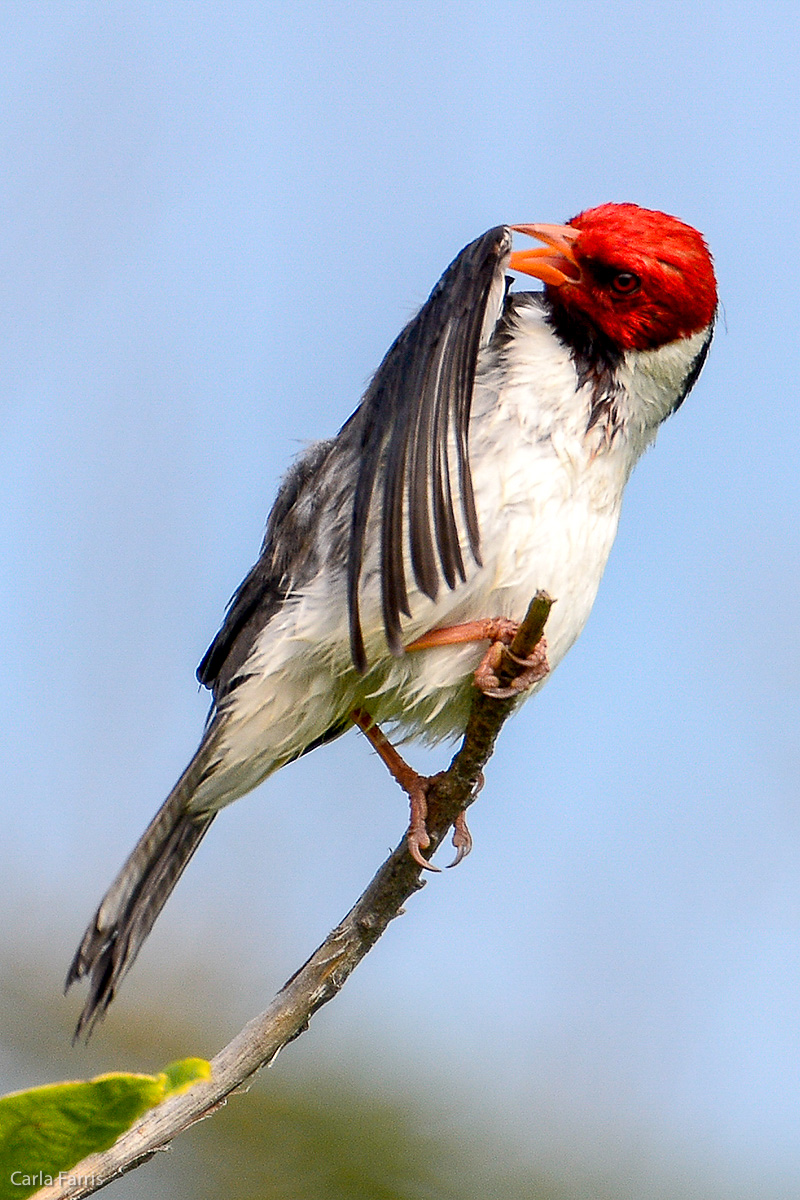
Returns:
<point x="493" y="629"/>
<point x="416" y="788"/>
<point x="501" y="632"/>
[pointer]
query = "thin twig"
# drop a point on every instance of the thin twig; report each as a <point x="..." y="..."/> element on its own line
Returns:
<point x="321" y="977"/>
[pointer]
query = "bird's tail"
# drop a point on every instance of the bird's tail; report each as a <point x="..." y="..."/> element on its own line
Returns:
<point x="134" y="900"/>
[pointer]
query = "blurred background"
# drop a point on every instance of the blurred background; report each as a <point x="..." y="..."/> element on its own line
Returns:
<point x="215" y="219"/>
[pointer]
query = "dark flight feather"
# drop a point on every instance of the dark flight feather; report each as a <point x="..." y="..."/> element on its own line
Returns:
<point x="418" y="401"/>
<point x="400" y="438"/>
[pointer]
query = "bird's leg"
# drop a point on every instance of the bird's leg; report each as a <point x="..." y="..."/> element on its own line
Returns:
<point x="500" y="631"/>
<point x="416" y="788"/>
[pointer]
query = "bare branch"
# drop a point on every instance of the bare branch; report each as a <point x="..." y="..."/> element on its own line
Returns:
<point x="321" y="977"/>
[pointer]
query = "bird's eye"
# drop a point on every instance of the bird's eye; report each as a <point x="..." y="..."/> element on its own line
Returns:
<point x="625" y="283"/>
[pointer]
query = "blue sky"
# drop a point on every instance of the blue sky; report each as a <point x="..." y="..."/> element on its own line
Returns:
<point x="215" y="218"/>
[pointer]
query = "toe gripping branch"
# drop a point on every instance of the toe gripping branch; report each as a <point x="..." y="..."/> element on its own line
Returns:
<point x="514" y="662"/>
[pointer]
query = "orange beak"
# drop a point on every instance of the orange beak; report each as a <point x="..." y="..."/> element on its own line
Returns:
<point x="555" y="263"/>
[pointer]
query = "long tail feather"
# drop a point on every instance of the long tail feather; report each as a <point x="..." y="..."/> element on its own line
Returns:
<point x="130" y="906"/>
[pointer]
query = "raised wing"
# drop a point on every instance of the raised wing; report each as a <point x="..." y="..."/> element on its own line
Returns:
<point x="409" y="437"/>
<point x="412" y="431"/>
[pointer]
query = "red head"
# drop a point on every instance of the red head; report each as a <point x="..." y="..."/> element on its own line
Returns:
<point x="641" y="277"/>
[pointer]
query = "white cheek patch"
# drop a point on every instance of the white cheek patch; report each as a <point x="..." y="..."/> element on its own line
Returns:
<point x="655" y="379"/>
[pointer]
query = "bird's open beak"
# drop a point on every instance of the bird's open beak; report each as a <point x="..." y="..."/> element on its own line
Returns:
<point x="554" y="263"/>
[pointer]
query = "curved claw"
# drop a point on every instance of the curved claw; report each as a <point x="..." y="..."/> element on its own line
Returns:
<point x="417" y="837"/>
<point x="515" y="688"/>
<point x="536" y="662"/>
<point x="462" y="839"/>
<point x="535" y="668"/>
<point x="415" y="848"/>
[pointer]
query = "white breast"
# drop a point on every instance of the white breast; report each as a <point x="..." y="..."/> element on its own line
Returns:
<point x="548" y="497"/>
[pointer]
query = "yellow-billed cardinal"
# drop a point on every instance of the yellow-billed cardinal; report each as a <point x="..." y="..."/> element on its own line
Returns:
<point x="486" y="462"/>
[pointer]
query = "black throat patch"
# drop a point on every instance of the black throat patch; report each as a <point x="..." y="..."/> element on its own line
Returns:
<point x="596" y="362"/>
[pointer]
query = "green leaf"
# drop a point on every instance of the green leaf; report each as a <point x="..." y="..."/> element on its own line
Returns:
<point x="47" y="1130"/>
<point x="181" y="1075"/>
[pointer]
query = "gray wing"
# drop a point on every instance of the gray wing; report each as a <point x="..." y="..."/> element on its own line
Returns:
<point x="402" y="435"/>
<point x="289" y="554"/>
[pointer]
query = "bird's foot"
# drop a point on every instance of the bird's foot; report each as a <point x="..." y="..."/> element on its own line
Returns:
<point x="500" y="631"/>
<point x="529" y="670"/>
<point x="416" y="787"/>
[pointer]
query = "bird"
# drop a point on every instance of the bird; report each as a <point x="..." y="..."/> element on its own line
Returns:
<point x="486" y="461"/>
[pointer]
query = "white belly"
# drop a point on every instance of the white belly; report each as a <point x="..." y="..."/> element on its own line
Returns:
<point x="547" y="522"/>
<point x="548" y="495"/>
